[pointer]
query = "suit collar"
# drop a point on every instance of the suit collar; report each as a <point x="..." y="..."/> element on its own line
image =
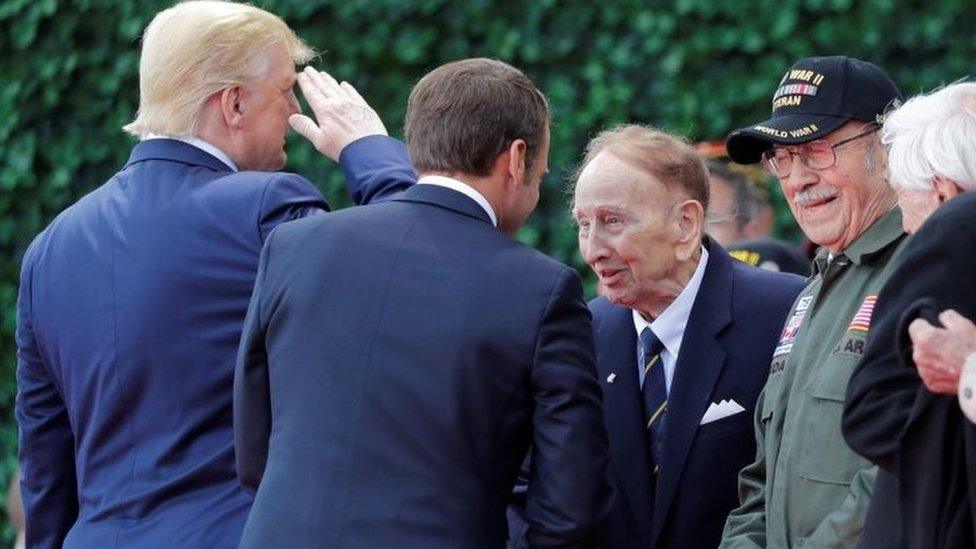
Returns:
<point x="446" y="198"/>
<point x="463" y="188"/>
<point x="616" y="345"/>
<point x="698" y="367"/>
<point x="176" y="151"/>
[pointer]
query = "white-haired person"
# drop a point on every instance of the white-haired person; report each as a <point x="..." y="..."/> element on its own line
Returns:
<point x="931" y="143"/>
<point x="132" y="300"/>
<point x="903" y="402"/>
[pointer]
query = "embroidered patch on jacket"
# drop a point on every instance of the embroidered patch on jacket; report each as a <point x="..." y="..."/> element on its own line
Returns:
<point x="853" y="344"/>
<point x="788" y="335"/>
<point x="862" y="319"/>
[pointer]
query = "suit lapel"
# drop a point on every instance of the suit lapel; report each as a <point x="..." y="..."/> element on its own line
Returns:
<point x="616" y="346"/>
<point x="699" y="364"/>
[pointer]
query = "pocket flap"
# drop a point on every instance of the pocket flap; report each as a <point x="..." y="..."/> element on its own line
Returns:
<point x="831" y="382"/>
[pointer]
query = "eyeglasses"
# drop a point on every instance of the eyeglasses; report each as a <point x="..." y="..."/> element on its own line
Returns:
<point x="816" y="155"/>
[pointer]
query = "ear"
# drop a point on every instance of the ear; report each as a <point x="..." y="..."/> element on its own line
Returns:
<point x="517" y="156"/>
<point x="231" y="101"/>
<point x="945" y="188"/>
<point x="690" y="225"/>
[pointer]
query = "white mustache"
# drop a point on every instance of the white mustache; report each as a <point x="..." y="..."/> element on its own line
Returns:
<point x="814" y="195"/>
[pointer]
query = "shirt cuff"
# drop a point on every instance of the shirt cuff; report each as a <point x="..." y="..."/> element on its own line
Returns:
<point x="967" y="388"/>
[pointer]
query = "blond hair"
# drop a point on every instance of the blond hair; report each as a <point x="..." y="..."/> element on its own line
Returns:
<point x="670" y="159"/>
<point x="197" y="48"/>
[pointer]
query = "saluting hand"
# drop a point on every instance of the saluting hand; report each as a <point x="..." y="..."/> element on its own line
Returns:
<point x="341" y="114"/>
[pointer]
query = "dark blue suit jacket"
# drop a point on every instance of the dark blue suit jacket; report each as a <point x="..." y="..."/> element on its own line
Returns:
<point x="725" y="353"/>
<point x="129" y="316"/>
<point x="391" y="380"/>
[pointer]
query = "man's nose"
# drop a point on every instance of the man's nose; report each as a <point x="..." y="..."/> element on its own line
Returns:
<point x="800" y="176"/>
<point x="592" y="248"/>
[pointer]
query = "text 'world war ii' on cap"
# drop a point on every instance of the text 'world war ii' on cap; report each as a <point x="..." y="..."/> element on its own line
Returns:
<point x="816" y="96"/>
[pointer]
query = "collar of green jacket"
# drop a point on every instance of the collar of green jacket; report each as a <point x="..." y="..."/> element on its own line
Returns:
<point x="881" y="234"/>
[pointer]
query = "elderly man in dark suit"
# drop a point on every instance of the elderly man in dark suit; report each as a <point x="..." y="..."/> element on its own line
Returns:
<point x="684" y="337"/>
<point x="390" y="381"/>
<point x="132" y="300"/>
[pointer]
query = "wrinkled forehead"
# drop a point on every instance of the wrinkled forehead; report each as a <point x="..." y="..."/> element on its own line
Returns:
<point x="603" y="197"/>
<point x="608" y="181"/>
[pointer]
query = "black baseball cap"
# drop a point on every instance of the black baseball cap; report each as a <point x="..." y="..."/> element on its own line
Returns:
<point x="816" y="96"/>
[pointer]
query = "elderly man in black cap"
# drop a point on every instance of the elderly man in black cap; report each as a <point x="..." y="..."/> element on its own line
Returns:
<point x="806" y="487"/>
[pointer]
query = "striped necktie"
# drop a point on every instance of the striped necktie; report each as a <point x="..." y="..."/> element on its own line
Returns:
<point x="654" y="393"/>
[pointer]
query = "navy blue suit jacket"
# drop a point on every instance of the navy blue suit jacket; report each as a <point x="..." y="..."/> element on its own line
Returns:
<point x="129" y="316"/>
<point x="725" y="353"/>
<point x="390" y="381"/>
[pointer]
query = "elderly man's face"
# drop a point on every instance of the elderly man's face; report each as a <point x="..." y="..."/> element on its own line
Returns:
<point x="916" y="205"/>
<point x="269" y="101"/>
<point x="628" y="231"/>
<point x="836" y="205"/>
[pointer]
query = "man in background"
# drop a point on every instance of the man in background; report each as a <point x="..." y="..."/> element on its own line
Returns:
<point x="740" y="218"/>
<point x="131" y="300"/>
<point x="737" y="209"/>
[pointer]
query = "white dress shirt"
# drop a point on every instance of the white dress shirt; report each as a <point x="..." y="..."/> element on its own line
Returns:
<point x="670" y="326"/>
<point x="204" y="146"/>
<point x="463" y="188"/>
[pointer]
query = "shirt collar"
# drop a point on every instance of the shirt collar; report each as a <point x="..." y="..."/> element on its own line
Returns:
<point x="881" y="234"/>
<point x="669" y="327"/>
<point x="463" y="188"/>
<point x="204" y="146"/>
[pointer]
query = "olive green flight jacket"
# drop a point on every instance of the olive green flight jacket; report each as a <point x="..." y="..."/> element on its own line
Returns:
<point x="806" y="487"/>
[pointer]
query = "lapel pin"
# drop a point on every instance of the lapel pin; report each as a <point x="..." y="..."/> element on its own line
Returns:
<point x="611" y="378"/>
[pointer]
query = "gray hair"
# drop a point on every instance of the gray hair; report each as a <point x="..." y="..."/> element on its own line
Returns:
<point x="933" y="134"/>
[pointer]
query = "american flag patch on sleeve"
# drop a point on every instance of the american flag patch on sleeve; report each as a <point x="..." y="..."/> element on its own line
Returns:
<point x="862" y="320"/>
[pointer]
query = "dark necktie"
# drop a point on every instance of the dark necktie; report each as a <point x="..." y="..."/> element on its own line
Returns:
<point x="654" y="393"/>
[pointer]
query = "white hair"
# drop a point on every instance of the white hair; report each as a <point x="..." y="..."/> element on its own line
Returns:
<point x="933" y="134"/>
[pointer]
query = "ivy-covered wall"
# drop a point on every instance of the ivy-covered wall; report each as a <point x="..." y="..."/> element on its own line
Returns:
<point x="68" y="82"/>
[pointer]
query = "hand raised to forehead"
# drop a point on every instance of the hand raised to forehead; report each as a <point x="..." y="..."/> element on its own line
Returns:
<point x="341" y="114"/>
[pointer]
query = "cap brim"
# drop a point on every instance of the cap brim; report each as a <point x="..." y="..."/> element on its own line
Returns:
<point x="746" y="145"/>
